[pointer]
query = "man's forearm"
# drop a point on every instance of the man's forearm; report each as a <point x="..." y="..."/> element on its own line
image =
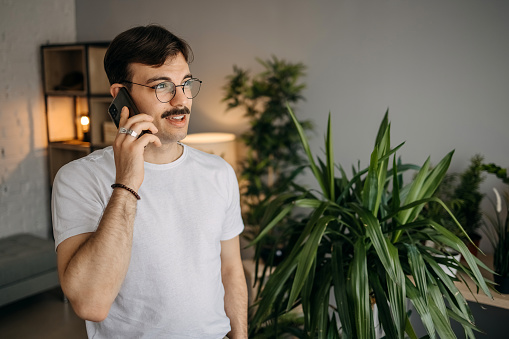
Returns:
<point x="235" y="301"/>
<point x="97" y="269"/>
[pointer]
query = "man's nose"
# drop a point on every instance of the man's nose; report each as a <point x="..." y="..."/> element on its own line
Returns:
<point x="180" y="99"/>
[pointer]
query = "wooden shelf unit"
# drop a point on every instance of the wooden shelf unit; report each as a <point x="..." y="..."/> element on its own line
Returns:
<point x="75" y="84"/>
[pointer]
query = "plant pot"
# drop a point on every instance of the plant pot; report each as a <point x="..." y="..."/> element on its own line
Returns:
<point x="503" y="284"/>
<point x="379" y="331"/>
<point x="452" y="254"/>
<point x="448" y="270"/>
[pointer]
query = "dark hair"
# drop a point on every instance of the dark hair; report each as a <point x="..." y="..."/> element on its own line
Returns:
<point x="149" y="45"/>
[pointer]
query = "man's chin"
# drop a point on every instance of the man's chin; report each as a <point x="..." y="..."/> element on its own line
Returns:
<point x="172" y="138"/>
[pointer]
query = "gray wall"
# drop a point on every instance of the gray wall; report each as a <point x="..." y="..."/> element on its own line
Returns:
<point x="440" y="66"/>
<point x="24" y="192"/>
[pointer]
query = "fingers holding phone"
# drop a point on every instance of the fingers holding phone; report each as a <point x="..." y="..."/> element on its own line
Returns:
<point x="129" y="148"/>
<point x="136" y="126"/>
<point x="129" y="145"/>
<point x="123" y="99"/>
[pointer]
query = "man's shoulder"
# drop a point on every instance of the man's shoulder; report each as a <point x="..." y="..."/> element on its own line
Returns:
<point x="95" y="161"/>
<point x="208" y="159"/>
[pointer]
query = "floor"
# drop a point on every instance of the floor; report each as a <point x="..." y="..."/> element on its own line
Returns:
<point x="46" y="316"/>
<point x="43" y="316"/>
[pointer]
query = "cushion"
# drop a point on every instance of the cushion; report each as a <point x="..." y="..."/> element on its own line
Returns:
<point x="23" y="256"/>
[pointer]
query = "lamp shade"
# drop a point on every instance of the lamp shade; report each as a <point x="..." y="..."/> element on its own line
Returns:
<point x="222" y="144"/>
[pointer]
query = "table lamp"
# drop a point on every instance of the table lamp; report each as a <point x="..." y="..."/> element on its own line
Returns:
<point x="222" y="144"/>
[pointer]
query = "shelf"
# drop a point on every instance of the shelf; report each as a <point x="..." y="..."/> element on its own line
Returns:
<point x="64" y="70"/>
<point x="499" y="300"/>
<point x="98" y="113"/>
<point x="75" y="70"/>
<point x="75" y="85"/>
<point x="97" y="79"/>
<point x="74" y="145"/>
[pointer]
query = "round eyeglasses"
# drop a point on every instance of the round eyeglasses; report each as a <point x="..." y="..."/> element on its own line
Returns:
<point x="165" y="91"/>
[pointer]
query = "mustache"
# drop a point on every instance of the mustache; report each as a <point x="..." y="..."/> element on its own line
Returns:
<point x="176" y="111"/>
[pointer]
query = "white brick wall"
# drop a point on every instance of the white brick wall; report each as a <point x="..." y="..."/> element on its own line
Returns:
<point x="24" y="185"/>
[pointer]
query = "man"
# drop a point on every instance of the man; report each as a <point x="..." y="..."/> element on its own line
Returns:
<point x="156" y="254"/>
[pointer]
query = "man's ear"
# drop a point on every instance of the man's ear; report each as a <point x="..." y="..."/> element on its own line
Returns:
<point x="114" y="89"/>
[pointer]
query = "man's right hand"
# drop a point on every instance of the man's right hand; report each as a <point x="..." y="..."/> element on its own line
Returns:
<point x="128" y="150"/>
<point x="93" y="266"/>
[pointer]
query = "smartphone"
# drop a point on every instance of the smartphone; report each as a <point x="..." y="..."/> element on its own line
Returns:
<point x="122" y="99"/>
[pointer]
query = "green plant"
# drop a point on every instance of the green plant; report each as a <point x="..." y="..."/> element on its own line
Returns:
<point x="462" y="194"/>
<point x="445" y="192"/>
<point x="468" y="211"/>
<point x="274" y="154"/>
<point x="363" y="243"/>
<point x="499" y="172"/>
<point x="497" y="232"/>
<point x="288" y="326"/>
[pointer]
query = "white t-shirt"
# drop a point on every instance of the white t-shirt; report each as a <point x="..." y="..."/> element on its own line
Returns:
<point x="173" y="287"/>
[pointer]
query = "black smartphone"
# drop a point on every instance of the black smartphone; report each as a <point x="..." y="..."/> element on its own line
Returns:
<point x="122" y="99"/>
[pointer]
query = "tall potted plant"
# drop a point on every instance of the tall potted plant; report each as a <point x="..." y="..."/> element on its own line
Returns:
<point x="468" y="192"/>
<point x="497" y="232"/>
<point x="363" y="243"/>
<point x="274" y="155"/>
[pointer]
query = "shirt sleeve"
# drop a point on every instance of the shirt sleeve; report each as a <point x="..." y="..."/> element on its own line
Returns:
<point x="77" y="201"/>
<point x="233" y="225"/>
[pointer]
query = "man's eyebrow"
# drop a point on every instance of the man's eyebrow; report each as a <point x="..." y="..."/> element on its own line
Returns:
<point x="159" y="78"/>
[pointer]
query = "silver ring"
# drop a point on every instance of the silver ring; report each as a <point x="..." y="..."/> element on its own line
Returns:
<point x="123" y="130"/>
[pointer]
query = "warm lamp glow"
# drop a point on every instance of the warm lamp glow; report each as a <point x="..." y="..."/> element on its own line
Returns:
<point x="85" y="127"/>
<point x="85" y="120"/>
<point x="222" y="144"/>
<point x="208" y="138"/>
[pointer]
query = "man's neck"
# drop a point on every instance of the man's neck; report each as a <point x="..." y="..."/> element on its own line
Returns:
<point x="165" y="154"/>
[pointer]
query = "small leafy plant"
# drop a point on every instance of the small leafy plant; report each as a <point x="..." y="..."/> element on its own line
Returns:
<point x="498" y="171"/>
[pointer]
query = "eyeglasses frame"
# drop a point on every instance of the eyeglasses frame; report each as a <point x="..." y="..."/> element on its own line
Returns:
<point x="175" y="86"/>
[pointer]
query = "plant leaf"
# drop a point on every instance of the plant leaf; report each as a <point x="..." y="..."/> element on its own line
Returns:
<point x="382" y="128"/>
<point x="284" y="212"/>
<point x="384" y="312"/>
<point x="307" y="257"/>
<point x="370" y="191"/>
<point x="340" y="288"/>
<point x="330" y="160"/>
<point x="395" y="186"/>
<point x="410" y="330"/>
<point x="455" y="243"/>
<point x="417" y="267"/>
<point x="360" y="292"/>
<point x="414" y="193"/>
<point x="307" y="149"/>
<point x="442" y="325"/>
<point x="397" y="293"/>
<point x="379" y="242"/>
<point x="421" y="307"/>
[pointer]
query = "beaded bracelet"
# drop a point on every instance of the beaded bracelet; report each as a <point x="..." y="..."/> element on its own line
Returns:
<point x="127" y="188"/>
